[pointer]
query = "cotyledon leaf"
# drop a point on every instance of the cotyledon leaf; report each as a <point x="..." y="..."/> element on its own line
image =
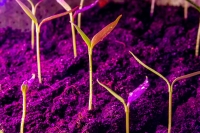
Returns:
<point x="83" y="35"/>
<point x="112" y="92"/>
<point x="104" y="32"/>
<point x="57" y="16"/>
<point x="135" y="94"/>
<point x="27" y="11"/>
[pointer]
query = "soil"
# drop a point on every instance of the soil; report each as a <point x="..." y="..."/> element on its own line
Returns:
<point x="165" y="42"/>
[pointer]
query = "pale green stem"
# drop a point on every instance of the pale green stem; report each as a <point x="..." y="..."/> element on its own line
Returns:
<point x="38" y="52"/>
<point x="127" y="118"/>
<point x="90" y="77"/>
<point x="170" y="110"/>
<point x="197" y="42"/>
<point x="32" y="34"/>
<point x="73" y="35"/>
<point x="24" y="112"/>
<point x="79" y="15"/>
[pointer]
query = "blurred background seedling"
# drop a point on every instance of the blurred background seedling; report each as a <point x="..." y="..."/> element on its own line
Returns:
<point x="172" y="3"/>
<point x="24" y="87"/>
<point x="91" y="43"/>
<point x="134" y="95"/>
<point x="38" y="26"/>
<point x="170" y="86"/>
<point x="68" y="8"/>
<point x="33" y="9"/>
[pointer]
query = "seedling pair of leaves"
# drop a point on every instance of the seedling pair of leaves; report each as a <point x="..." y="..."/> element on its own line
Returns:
<point x="81" y="9"/>
<point x="91" y="43"/>
<point x="132" y="97"/>
<point x="38" y="26"/>
<point x="24" y="87"/>
<point x="170" y="86"/>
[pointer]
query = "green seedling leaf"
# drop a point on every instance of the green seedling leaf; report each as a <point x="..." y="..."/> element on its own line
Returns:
<point x="185" y="76"/>
<point x="57" y="16"/>
<point x="150" y="69"/>
<point x="83" y="35"/>
<point x="194" y="4"/>
<point x="27" y="11"/>
<point x="104" y="32"/>
<point x="112" y="92"/>
<point x="64" y="4"/>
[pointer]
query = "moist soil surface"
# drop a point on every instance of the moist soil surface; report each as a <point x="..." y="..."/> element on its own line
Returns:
<point x="165" y="42"/>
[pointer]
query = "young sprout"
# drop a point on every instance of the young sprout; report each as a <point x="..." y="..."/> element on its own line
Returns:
<point x="32" y="23"/>
<point x="91" y="43"/>
<point x="198" y="34"/>
<point x="68" y="8"/>
<point x="135" y="94"/>
<point x="38" y="26"/>
<point x="24" y="88"/>
<point x="170" y="86"/>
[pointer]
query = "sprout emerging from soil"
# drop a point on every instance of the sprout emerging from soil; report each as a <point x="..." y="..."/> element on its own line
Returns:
<point x="24" y="88"/>
<point x="170" y="86"/>
<point x="68" y="8"/>
<point x="32" y="24"/>
<point x="38" y="26"/>
<point x="198" y="34"/>
<point x="91" y="43"/>
<point x="132" y="97"/>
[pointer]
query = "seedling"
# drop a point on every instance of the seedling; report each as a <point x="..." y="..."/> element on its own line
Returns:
<point x="38" y="26"/>
<point x="198" y="34"/>
<point x="170" y="86"/>
<point x="68" y="8"/>
<point x="91" y="43"/>
<point x="32" y="23"/>
<point x="24" y="88"/>
<point x="132" y="97"/>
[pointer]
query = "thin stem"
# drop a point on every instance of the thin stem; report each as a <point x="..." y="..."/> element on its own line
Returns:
<point x="127" y="118"/>
<point x="90" y="77"/>
<point x="24" y="112"/>
<point x="32" y="34"/>
<point x="38" y="53"/>
<point x="73" y="35"/>
<point x="170" y="111"/>
<point x="197" y="42"/>
<point x="79" y="15"/>
<point x="185" y="9"/>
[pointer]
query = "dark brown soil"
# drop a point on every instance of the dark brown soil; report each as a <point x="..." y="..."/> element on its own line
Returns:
<point x="165" y="42"/>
